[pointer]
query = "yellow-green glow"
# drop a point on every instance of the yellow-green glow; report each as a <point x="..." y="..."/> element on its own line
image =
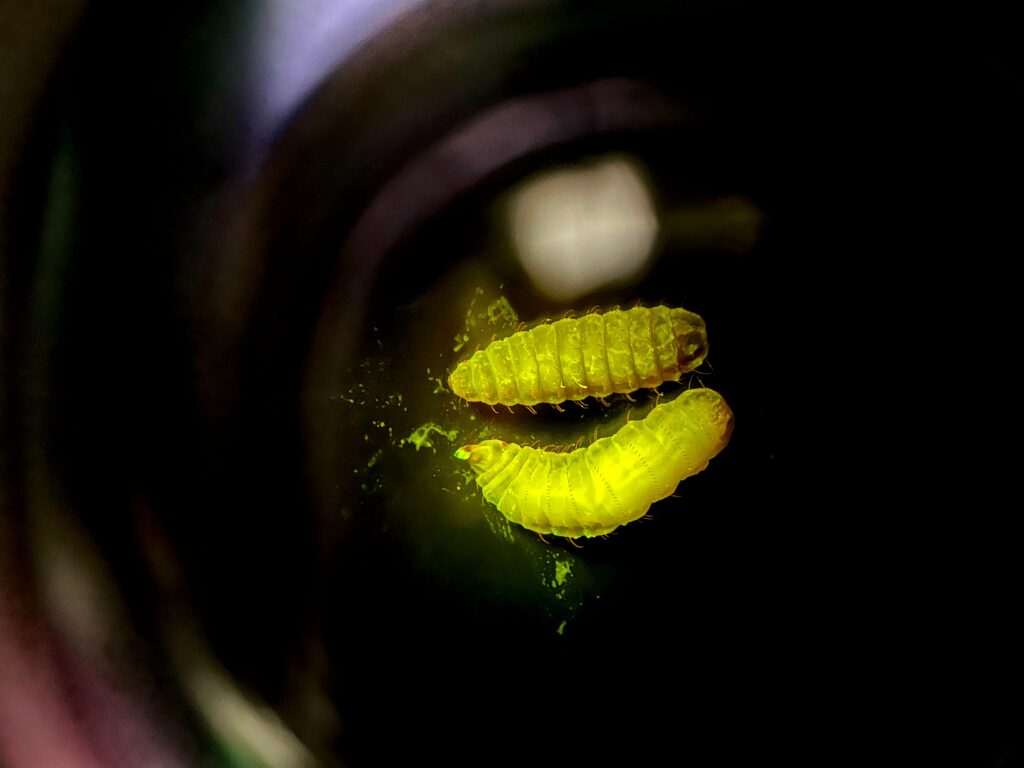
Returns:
<point x="563" y="569"/>
<point x="420" y="437"/>
<point x="498" y="318"/>
<point x="592" y="356"/>
<point x="501" y="314"/>
<point x="613" y="481"/>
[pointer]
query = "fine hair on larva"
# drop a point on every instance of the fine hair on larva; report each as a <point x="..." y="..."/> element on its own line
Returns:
<point x="592" y="490"/>
<point x="596" y="355"/>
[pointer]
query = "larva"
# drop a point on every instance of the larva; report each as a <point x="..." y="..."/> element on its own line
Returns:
<point x="614" y="480"/>
<point x="594" y="355"/>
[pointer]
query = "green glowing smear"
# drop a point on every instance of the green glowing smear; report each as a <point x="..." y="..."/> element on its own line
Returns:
<point x="420" y="437"/>
<point x="501" y="313"/>
<point x="461" y="453"/>
<point x="569" y="597"/>
<point x="563" y="570"/>
<point x="463" y="338"/>
<point x="500" y="527"/>
<point x="498" y="319"/>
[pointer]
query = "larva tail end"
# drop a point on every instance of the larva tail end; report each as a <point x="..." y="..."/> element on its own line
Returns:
<point x="463" y="453"/>
<point x="460" y="382"/>
<point x="691" y="339"/>
<point x="709" y="408"/>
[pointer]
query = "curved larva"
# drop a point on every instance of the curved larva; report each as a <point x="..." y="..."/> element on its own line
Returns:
<point x="612" y="481"/>
<point x="591" y="356"/>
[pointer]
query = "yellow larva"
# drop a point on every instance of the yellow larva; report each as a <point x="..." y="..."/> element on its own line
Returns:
<point x="591" y="356"/>
<point x="613" y="481"/>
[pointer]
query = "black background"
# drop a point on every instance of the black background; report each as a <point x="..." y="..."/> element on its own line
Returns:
<point x="852" y="578"/>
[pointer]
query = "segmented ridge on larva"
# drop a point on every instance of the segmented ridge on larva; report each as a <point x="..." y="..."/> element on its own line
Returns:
<point x="591" y="356"/>
<point x="613" y="481"/>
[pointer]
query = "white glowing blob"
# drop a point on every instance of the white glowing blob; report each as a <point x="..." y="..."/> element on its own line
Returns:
<point x="582" y="228"/>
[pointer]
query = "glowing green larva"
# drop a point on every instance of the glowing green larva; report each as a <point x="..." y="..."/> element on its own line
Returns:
<point x="613" y="481"/>
<point x="590" y="356"/>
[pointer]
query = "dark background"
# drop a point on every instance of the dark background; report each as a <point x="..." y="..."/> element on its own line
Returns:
<point x="182" y="302"/>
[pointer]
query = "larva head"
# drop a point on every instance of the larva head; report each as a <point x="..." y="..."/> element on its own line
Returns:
<point x="691" y="339"/>
<point x="481" y="456"/>
<point x="708" y="409"/>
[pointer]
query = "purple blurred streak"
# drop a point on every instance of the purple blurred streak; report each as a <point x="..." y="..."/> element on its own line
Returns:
<point x="38" y="727"/>
<point x="60" y="708"/>
<point x="298" y="43"/>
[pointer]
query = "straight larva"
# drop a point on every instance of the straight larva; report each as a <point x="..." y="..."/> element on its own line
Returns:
<point x="613" y="481"/>
<point x="591" y="356"/>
